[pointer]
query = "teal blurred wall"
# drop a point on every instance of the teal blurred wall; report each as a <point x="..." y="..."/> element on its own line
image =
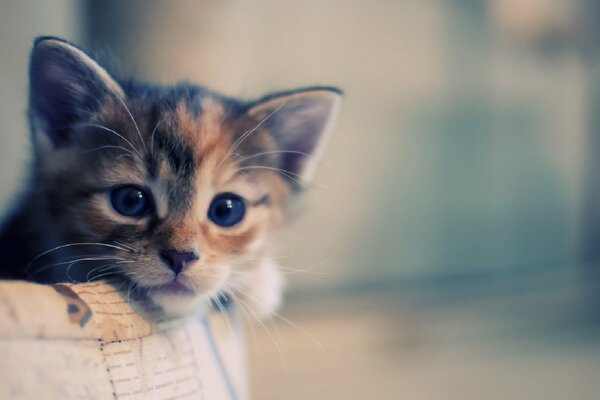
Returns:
<point x="20" y="22"/>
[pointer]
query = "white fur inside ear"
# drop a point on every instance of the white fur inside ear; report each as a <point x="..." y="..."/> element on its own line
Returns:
<point x="110" y="84"/>
<point x="301" y="123"/>
<point x="311" y="163"/>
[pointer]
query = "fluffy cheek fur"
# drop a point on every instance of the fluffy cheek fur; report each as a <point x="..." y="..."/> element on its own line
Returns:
<point x="232" y="264"/>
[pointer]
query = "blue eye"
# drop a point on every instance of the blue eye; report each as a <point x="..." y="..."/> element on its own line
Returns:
<point x="227" y="209"/>
<point x="130" y="201"/>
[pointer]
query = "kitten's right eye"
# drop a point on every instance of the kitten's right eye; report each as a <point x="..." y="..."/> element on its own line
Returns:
<point x="227" y="209"/>
<point x="131" y="201"/>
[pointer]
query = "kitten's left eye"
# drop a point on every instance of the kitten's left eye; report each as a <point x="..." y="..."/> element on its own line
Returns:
<point x="130" y="201"/>
<point x="227" y="209"/>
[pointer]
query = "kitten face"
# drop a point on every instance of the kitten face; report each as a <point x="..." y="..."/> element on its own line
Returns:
<point x="186" y="164"/>
<point x="179" y="188"/>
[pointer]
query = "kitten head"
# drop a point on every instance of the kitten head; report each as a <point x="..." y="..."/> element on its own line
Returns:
<point x="175" y="188"/>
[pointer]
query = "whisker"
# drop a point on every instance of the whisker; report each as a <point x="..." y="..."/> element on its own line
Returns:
<point x="131" y="285"/>
<point x="102" y="268"/>
<point x="125" y="245"/>
<point x="246" y="134"/>
<point x="124" y="156"/>
<point x="266" y="153"/>
<point x="70" y="262"/>
<point x="251" y="311"/>
<point x="153" y="132"/>
<point x="85" y="259"/>
<point x="304" y="332"/>
<point x="68" y="271"/>
<point x="310" y="267"/>
<point x="225" y="313"/>
<point x="110" y="147"/>
<point x="133" y="120"/>
<point x="284" y="319"/>
<point x="307" y="155"/>
<point x="28" y="267"/>
<point x="104" y="128"/>
<point x="289" y="174"/>
<point x="288" y="271"/>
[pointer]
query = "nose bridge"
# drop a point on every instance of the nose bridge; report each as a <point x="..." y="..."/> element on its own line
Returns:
<point x="180" y="232"/>
<point x="178" y="242"/>
<point x="184" y="235"/>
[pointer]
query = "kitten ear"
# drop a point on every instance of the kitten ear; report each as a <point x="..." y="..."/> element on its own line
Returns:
<point x="64" y="85"/>
<point x="301" y="122"/>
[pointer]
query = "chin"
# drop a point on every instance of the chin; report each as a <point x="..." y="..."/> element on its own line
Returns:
<point x="182" y="297"/>
<point x="177" y="304"/>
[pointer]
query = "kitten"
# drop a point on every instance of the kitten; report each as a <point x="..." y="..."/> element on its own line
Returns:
<point x="174" y="189"/>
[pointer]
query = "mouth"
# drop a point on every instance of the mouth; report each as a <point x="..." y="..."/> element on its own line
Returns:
<point x="172" y="288"/>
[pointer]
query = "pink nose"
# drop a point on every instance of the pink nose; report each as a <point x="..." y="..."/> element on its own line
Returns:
<point x="177" y="260"/>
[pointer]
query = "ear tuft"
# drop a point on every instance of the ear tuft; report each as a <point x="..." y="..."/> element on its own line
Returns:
<point x="301" y="122"/>
<point x="64" y="84"/>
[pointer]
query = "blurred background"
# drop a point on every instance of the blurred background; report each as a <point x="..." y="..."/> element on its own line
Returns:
<point x="448" y="249"/>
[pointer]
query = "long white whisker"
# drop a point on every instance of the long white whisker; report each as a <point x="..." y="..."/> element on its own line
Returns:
<point x="68" y="270"/>
<point x="304" y="332"/>
<point x="289" y="270"/>
<point x="153" y="132"/>
<point x="133" y="120"/>
<point x="266" y="153"/>
<point x="289" y="174"/>
<point x="251" y="311"/>
<point x="110" y="147"/>
<point x="71" y="262"/>
<point x="301" y="153"/>
<point x="104" y="128"/>
<point x="125" y="245"/>
<point x="219" y="304"/>
<point x="70" y="245"/>
<point x="309" y="268"/>
<point x="246" y="134"/>
<point x="242" y="138"/>
<point x="100" y="258"/>
<point x="102" y="268"/>
<point x="246" y="294"/>
<point x="131" y="285"/>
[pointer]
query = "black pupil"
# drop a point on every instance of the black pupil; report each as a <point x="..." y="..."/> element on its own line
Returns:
<point x="227" y="210"/>
<point x="130" y="201"/>
<point x="223" y="209"/>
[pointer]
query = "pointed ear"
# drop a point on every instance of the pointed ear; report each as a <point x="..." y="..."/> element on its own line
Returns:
<point x="65" y="84"/>
<point x="301" y="122"/>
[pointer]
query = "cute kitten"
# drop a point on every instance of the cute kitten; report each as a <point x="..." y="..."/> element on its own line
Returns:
<point x="176" y="189"/>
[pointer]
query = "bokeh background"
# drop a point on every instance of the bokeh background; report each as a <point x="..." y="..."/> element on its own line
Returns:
<point x="448" y="249"/>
